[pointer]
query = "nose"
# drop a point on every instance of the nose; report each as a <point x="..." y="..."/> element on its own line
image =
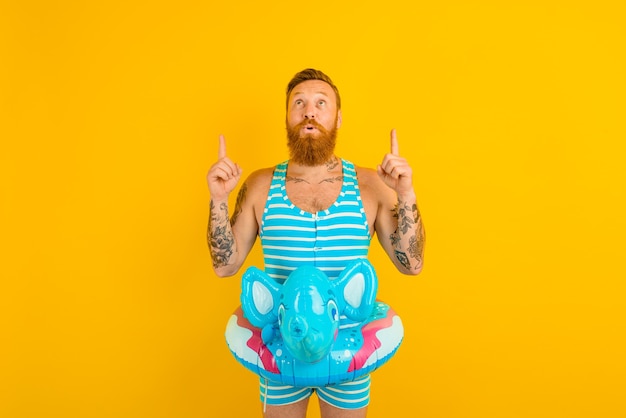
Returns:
<point x="309" y="111"/>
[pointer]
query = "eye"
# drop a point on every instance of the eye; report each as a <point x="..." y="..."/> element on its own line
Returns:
<point x="299" y="102"/>
<point x="281" y="314"/>
<point x="333" y="312"/>
<point x="321" y="103"/>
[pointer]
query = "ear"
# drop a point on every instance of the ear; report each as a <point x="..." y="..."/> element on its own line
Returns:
<point x="339" y="120"/>
<point x="259" y="295"/>
<point x="356" y="288"/>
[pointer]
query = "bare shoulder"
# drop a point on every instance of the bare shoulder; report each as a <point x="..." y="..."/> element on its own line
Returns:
<point x="365" y="174"/>
<point x="375" y="195"/>
<point x="373" y="190"/>
<point x="258" y="183"/>
<point x="261" y="177"/>
<point x="371" y="186"/>
<point x="369" y="180"/>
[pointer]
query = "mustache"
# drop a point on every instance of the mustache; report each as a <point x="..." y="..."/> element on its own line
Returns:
<point x="311" y="122"/>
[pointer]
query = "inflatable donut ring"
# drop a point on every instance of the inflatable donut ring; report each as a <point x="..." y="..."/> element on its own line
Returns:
<point x="313" y="331"/>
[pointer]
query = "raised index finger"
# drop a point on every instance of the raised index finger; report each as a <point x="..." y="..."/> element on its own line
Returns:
<point x="394" y="143"/>
<point x="221" y="151"/>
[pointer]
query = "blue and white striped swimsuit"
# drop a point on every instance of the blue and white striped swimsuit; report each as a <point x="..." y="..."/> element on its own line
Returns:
<point x="328" y="239"/>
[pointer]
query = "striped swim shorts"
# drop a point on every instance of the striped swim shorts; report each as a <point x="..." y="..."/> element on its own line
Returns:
<point x="349" y="395"/>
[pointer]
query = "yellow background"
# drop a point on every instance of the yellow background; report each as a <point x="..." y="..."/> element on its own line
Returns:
<point x="511" y="113"/>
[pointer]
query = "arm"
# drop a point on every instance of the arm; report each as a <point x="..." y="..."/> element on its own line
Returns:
<point x="398" y="222"/>
<point x="229" y="239"/>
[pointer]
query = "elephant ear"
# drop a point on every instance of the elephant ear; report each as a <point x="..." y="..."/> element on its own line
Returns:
<point x="259" y="297"/>
<point x="356" y="289"/>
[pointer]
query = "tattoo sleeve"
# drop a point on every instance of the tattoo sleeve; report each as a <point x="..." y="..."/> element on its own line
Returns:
<point x="408" y="238"/>
<point x="220" y="235"/>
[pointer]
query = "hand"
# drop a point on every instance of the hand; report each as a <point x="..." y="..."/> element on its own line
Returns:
<point x="395" y="171"/>
<point x="224" y="175"/>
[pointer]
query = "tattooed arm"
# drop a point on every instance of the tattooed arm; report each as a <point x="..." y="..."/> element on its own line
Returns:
<point x="229" y="239"/>
<point x="407" y="240"/>
<point x="398" y="220"/>
<point x="398" y="224"/>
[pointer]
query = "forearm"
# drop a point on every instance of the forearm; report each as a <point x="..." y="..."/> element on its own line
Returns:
<point x="221" y="240"/>
<point x="408" y="238"/>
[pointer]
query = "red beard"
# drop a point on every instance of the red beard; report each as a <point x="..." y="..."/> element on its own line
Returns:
<point x="309" y="149"/>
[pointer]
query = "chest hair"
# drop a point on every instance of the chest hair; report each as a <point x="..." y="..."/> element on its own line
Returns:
<point x="314" y="197"/>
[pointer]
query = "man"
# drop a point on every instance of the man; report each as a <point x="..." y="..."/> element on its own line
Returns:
<point x="317" y="209"/>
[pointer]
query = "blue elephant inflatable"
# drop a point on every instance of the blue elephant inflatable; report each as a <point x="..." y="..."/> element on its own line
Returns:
<point x="310" y="330"/>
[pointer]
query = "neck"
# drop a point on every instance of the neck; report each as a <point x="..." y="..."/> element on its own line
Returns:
<point x="330" y="165"/>
<point x="312" y="174"/>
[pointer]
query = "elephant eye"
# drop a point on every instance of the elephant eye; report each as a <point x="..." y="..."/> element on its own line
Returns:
<point x="333" y="311"/>
<point x="281" y="314"/>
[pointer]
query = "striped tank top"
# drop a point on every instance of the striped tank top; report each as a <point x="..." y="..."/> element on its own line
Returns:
<point x="328" y="239"/>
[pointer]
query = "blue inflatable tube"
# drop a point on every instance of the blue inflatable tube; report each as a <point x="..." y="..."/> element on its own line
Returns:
<point x="313" y="331"/>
